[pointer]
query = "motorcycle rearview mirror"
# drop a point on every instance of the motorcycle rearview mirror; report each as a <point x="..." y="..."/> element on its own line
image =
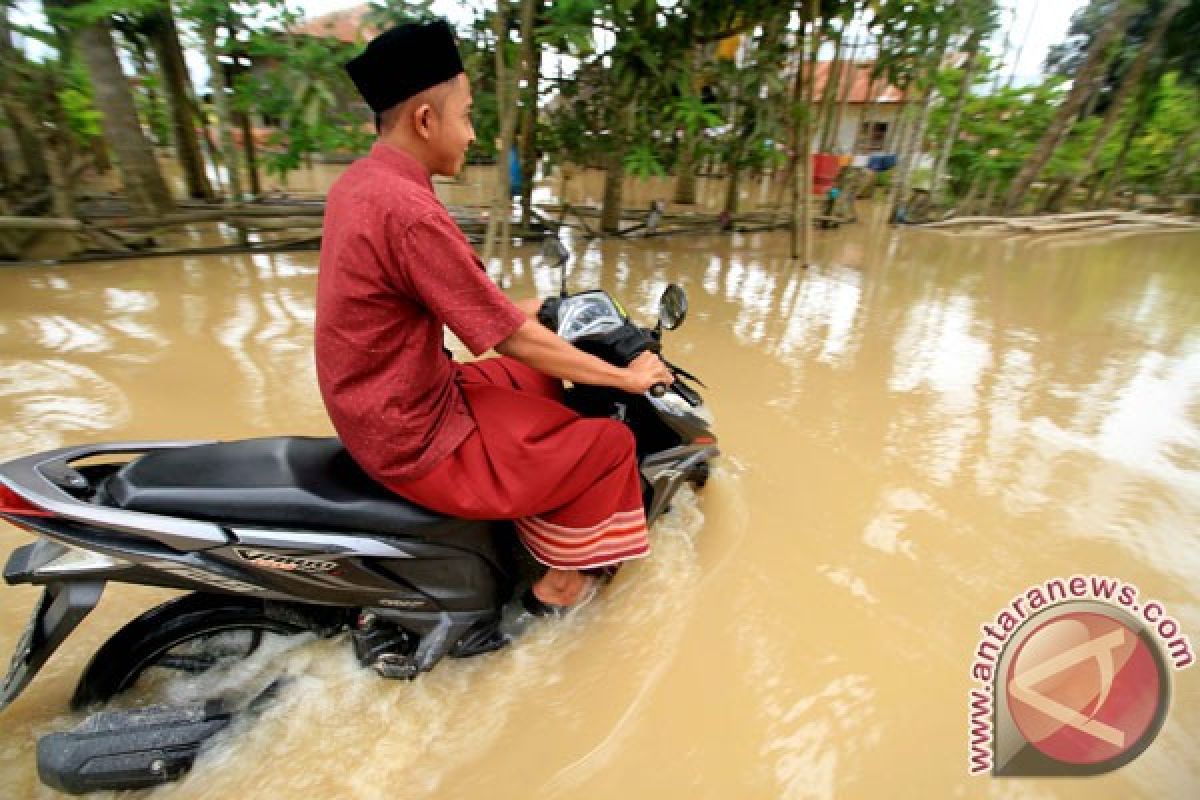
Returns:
<point x="673" y="307"/>
<point x="554" y="252"/>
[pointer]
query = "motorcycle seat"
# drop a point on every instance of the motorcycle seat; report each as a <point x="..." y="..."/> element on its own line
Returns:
<point x="296" y="482"/>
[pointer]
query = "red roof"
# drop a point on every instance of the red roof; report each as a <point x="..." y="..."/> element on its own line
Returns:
<point x="862" y="90"/>
<point x="346" y="25"/>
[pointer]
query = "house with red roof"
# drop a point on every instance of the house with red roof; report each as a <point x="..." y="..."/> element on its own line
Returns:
<point x="872" y="107"/>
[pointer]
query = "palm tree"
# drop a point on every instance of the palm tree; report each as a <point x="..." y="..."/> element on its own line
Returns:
<point x="972" y="47"/>
<point x="498" y="218"/>
<point x="159" y="27"/>
<point x="10" y="61"/>
<point x="692" y="115"/>
<point x="144" y="185"/>
<point x="531" y="61"/>
<point x="801" y="140"/>
<point x="210" y="15"/>
<point x="1085" y="81"/>
<point x="1130" y="81"/>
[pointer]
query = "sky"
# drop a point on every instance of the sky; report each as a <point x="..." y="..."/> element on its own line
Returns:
<point x="1045" y="21"/>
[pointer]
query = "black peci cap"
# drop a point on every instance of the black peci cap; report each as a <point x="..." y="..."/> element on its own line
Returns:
<point x="404" y="61"/>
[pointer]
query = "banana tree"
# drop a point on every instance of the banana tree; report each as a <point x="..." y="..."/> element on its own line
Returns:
<point x="692" y="114"/>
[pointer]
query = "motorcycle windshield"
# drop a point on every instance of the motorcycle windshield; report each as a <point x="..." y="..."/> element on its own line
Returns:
<point x="590" y="314"/>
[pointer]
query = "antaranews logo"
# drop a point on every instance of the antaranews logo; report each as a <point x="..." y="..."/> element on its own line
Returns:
<point x="1072" y="679"/>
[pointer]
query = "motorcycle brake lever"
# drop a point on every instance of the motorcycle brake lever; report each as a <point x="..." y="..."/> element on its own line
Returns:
<point x="681" y="372"/>
<point x="690" y="395"/>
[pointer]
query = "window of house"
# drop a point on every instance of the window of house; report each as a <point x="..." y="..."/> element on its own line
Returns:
<point x="871" y="136"/>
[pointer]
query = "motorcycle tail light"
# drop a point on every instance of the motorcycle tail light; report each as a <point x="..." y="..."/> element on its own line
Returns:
<point x="13" y="503"/>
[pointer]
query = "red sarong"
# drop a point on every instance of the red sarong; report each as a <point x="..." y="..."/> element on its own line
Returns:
<point x="570" y="483"/>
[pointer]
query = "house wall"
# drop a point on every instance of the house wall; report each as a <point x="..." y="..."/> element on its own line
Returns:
<point x="847" y="133"/>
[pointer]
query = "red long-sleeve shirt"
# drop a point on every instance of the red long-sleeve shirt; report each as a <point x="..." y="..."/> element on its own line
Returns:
<point x="394" y="269"/>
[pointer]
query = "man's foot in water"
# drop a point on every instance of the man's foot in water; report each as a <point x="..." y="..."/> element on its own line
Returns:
<point x="556" y="593"/>
<point x="561" y="587"/>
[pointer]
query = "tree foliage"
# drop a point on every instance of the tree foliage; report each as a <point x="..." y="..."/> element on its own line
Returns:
<point x="304" y="88"/>
<point x="651" y="88"/>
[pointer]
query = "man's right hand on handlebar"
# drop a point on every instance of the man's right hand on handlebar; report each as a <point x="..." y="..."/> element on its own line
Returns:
<point x="644" y="372"/>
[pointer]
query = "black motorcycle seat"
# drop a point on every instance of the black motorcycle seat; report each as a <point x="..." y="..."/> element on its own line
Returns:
<point x="297" y="482"/>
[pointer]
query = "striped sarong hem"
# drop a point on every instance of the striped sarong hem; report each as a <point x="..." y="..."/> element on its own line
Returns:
<point x="621" y="537"/>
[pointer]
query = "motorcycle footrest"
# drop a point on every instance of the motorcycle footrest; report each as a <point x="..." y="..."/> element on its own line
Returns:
<point x="128" y="749"/>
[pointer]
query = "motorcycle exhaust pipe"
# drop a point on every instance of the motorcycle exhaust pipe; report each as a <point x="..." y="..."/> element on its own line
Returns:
<point x="132" y="749"/>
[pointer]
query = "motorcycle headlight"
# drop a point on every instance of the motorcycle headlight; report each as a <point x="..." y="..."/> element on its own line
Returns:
<point x="590" y="314"/>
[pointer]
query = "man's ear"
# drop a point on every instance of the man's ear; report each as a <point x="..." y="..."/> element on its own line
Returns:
<point x="422" y="120"/>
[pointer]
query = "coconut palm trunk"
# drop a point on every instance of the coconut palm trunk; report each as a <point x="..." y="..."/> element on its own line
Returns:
<point x="732" y="190"/>
<point x="155" y="107"/>
<point x="1096" y="59"/>
<point x="974" y="40"/>
<point x="849" y="79"/>
<point x="897" y="134"/>
<point x="1180" y="164"/>
<point x="968" y="203"/>
<point x="164" y="39"/>
<point x="685" y="167"/>
<point x="1102" y="192"/>
<point x="614" y="179"/>
<point x="614" y="174"/>
<point x="685" y="174"/>
<point x="32" y="156"/>
<point x="802" y="93"/>
<point x="832" y="77"/>
<point x="225" y="121"/>
<point x="250" y="152"/>
<point x="498" y="218"/>
<point x="531" y="62"/>
<point x="734" y="155"/>
<point x="144" y="185"/>
<point x="910" y="155"/>
<point x="6" y="173"/>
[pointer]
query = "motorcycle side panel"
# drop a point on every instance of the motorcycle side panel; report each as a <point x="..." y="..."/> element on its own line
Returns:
<point x="460" y="570"/>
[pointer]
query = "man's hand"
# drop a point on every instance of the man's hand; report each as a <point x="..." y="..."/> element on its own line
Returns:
<point x="530" y="306"/>
<point x="543" y="350"/>
<point x="645" y="371"/>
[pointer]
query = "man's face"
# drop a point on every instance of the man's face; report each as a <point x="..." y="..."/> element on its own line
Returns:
<point x="454" y="132"/>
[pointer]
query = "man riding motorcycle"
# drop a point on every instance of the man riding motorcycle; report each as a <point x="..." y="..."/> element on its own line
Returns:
<point x="485" y="440"/>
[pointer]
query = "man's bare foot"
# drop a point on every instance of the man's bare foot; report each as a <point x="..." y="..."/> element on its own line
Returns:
<point x="561" y="587"/>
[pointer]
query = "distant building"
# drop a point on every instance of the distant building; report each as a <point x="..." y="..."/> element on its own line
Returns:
<point x="873" y="108"/>
<point x="346" y="25"/>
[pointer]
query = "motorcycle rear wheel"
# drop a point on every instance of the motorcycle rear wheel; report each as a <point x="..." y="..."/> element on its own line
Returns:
<point x="189" y="621"/>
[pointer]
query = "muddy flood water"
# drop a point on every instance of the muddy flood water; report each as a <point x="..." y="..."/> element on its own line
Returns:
<point x="913" y="431"/>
